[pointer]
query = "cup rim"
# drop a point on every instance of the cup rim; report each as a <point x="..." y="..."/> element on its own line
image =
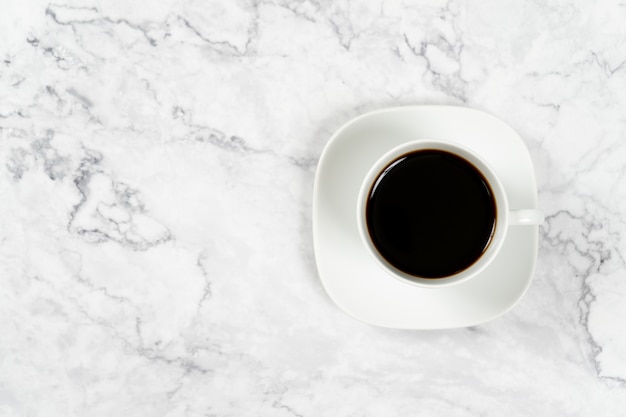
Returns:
<point x="501" y="222"/>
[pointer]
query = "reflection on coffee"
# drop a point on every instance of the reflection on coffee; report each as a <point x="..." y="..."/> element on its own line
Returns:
<point x="430" y="214"/>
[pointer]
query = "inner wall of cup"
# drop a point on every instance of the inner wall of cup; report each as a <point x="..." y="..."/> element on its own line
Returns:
<point x="493" y="183"/>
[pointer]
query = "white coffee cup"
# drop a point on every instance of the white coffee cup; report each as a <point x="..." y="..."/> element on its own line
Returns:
<point x="505" y="217"/>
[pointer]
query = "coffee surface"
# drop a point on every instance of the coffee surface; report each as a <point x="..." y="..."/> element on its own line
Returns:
<point x="430" y="214"/>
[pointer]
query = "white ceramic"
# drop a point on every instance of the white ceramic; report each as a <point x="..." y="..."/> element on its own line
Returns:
<point x="352" y="276"/>
<point x="504" y="219"/>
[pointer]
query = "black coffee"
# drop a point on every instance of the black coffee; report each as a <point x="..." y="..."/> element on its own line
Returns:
<point x="430" y="214"/>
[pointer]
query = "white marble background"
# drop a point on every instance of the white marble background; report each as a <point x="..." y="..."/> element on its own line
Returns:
<point x="156" y="169"/>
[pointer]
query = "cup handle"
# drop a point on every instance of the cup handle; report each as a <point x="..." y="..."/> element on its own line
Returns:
<point x="526" y="217"/>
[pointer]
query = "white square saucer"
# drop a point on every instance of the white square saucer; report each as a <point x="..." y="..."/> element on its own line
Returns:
<point x="352" y="278"/>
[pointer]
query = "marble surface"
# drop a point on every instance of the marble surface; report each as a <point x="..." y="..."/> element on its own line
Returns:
<point x="156" y="169"/>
